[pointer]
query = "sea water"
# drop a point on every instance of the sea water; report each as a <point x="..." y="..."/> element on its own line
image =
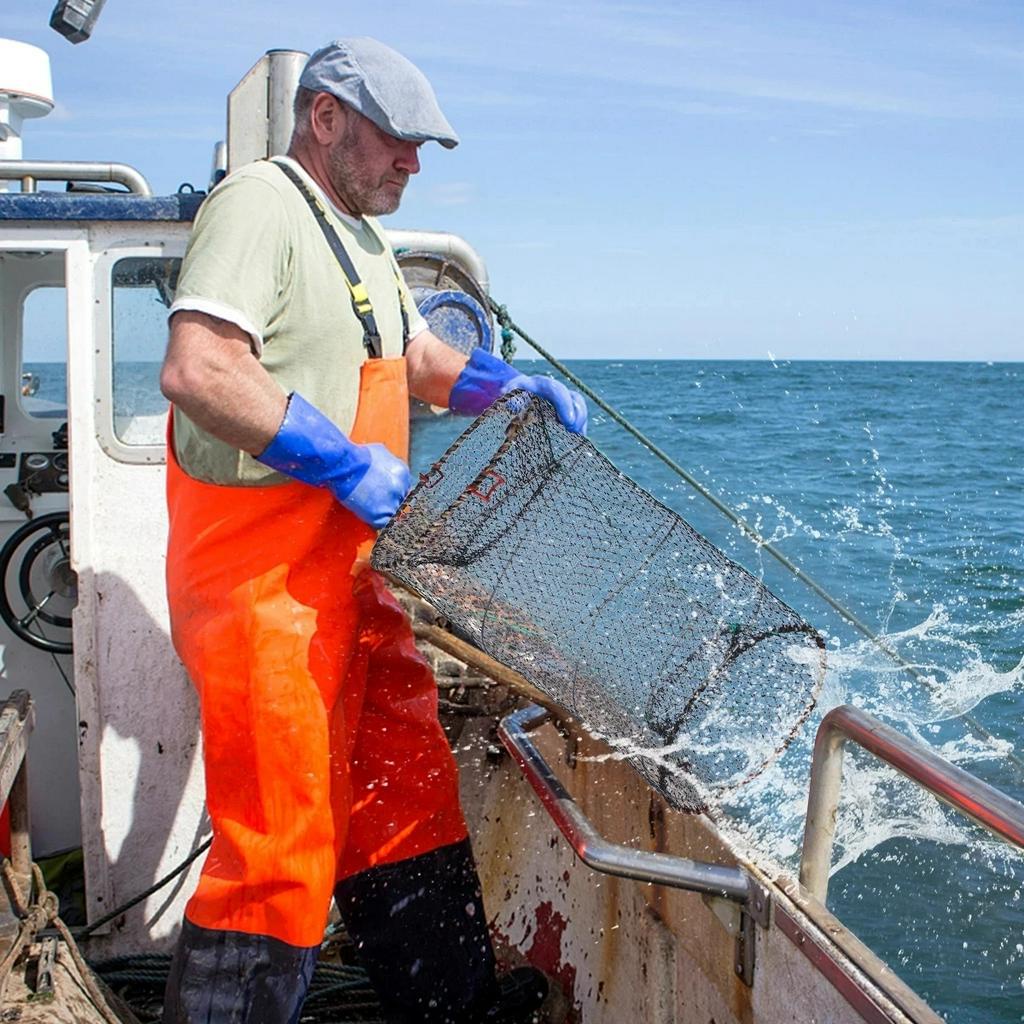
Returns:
<point x="899" y="487"/>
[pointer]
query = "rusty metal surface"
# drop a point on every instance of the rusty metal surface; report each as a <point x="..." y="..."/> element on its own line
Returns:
<point x="801" y="907"/>
<point x="586" y="841"/>
<point x="830" y="969"/>
<point x="622" y="950"/>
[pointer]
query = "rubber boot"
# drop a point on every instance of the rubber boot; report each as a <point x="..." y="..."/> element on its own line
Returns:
<point x="521" y="992"/>
<point x="421" y="935"/>
<point x="220" y="977"/>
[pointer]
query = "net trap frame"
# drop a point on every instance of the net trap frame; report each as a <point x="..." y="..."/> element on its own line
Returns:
<point x="538" y="551"/>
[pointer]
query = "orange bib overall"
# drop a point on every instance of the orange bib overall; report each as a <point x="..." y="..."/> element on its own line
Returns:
<point x="323" y="751"/>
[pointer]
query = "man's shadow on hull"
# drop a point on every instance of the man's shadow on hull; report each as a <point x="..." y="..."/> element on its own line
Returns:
<point x="141" y="767"/>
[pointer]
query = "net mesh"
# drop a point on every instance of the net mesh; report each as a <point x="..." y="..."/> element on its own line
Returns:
<point x="536" y="549"/>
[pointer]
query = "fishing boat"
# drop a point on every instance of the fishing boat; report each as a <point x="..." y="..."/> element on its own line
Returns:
<point x="635" y="910"/>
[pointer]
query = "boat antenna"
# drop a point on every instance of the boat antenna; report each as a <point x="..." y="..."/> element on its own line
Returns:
<point x="75" y="19"/>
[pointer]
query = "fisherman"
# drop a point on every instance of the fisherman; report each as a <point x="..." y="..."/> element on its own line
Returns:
<point x="294" y="347"/>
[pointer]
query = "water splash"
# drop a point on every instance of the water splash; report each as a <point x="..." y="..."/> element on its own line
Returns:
<point x="877" y="804"/>
<point x="951" y="676"/>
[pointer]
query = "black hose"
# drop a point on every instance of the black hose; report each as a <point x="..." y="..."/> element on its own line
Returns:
<point x="84" y="933"/>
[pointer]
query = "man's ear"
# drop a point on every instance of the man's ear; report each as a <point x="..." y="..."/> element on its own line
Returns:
<point x="327" y="119"/>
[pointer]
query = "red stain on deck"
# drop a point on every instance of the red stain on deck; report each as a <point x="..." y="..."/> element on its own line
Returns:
<point x="545" y="951"/>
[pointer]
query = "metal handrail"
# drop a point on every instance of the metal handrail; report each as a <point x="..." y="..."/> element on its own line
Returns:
<point x="977" y="800"/>
<point x="592" y="848"/>
<point x="443" y="242"/>
<point x="30" y="171"/>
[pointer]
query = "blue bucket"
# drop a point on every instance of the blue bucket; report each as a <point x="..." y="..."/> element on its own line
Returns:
<point x="456" y="318"/>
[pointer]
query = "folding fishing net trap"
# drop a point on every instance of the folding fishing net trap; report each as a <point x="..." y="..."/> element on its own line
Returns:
<point x="538" y="551"/>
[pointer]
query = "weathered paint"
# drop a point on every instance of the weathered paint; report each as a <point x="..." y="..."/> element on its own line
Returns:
<point x="140" y="771"/>
<point x="628" y="951"/>
<point x="65" y="207"/>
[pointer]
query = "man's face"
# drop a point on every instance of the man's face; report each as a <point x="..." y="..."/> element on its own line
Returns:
<point x="369" y="169"/>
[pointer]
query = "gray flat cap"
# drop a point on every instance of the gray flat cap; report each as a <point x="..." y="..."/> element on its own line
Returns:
<point x="382" y="85"/>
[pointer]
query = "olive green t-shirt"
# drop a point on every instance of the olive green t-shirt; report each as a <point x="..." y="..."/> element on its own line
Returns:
<point x="257" y="258"/>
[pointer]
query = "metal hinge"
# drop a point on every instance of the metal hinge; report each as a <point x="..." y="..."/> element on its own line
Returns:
<point x="739" y="921"/>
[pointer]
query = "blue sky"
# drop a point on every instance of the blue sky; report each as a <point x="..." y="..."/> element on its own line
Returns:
<point x="674" y="180"/>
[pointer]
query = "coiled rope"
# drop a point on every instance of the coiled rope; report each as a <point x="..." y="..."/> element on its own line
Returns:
<point x="337" y="994"/>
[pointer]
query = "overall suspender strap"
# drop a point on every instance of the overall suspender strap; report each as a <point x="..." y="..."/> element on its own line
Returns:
<point x="361" y="304"/>
<point x="401" y="293"/>
<point x="405" y="314"/>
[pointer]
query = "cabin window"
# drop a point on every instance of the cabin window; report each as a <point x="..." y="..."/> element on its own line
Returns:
<point x="44" y="353"/>
<point x="142" y="291"/>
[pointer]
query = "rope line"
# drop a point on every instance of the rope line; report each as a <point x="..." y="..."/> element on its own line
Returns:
<point x="502" y="315"/>
<point x="36" y="909"/>
<point x="85" y="932"/>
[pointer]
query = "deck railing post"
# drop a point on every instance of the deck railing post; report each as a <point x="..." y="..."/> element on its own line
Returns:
<point x="822" y="808"/>
<point x="982" y="803"/>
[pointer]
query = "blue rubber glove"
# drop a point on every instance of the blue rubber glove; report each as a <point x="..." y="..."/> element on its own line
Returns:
<point x="366" y="478"/>
<point x="486" y="378"/>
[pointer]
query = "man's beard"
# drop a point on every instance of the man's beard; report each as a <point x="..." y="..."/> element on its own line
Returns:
<point x="362" y="192"/>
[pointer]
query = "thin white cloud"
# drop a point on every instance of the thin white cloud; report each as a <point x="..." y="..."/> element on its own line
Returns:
<point x="452" y="193"/>
<point x="59" y="114"/>
<point x="996" y="228"/>
<point x="524" y="244"/>
<point x="468" y="96"/>
<point x="85" y="133"/>
<point x="924" y="67"/>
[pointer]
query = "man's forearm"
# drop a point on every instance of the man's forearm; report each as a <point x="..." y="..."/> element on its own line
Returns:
<point x="433" y="367"/>
<point x="211" y="374"/>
